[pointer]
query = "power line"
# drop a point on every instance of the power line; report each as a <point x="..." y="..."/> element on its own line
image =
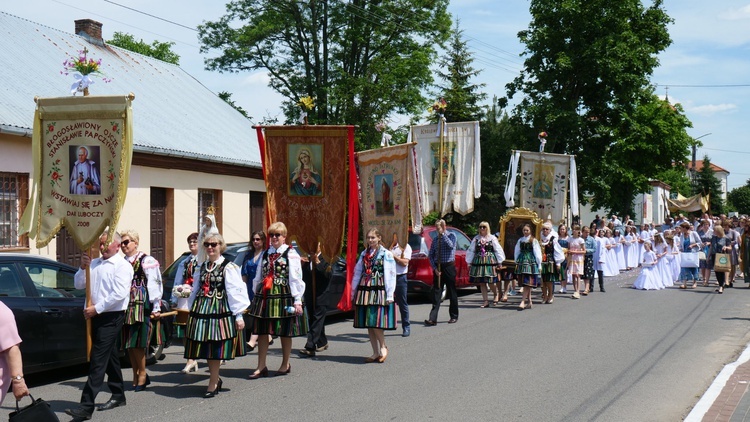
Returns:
<point x="726" y="150"/>
<point x="153" y="16"/>
<point x="706" y="86"/>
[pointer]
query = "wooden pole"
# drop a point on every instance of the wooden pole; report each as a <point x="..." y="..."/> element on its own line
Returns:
<point x="88" y="303"/>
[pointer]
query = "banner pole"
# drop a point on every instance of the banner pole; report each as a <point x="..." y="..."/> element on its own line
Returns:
<point x="441" y="128"/>
<point x="88" y="303"/>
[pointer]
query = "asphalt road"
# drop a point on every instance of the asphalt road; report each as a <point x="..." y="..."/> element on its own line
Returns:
<point x="623" y="355"/>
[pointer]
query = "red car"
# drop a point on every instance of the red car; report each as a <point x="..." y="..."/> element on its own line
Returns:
<point x="420" y="270"/>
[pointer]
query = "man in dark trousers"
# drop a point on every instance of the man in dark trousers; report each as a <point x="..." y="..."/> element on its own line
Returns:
<point x="317" y="298"/>
<point x="443" y="261"/>
<point x="111" y="276"/>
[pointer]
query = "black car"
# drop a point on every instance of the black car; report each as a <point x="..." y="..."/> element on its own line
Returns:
<point x="48" y="310"/>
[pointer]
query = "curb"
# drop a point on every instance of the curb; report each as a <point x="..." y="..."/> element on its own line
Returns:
<point x="709" y="398"/>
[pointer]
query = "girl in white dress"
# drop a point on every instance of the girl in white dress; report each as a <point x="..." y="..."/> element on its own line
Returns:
<point x="611" y="268"/>
<point x="644" y="236"/>
<point x="631" y="248"/>
<point x="620" y="251"/>
<point x="662" y="264"/>
<point x="674" y="261"/>
<point x="648" y="278"/>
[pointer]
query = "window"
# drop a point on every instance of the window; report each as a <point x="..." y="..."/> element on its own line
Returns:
<point x="51" y="281"/>
<point x="14" y="195"/>
<point x="10" y="284"/>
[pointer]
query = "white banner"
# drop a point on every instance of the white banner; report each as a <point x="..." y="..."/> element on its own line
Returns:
<point x="544" y="184"/>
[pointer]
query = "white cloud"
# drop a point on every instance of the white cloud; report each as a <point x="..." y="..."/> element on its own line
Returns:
<point x="712" y="109"/>
<point x="256" y="78"/>
<point x="739" y="13"/>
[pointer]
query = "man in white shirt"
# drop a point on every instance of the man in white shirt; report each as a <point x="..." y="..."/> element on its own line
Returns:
<point x="110" y="280"/>
<point x="402" y="257"/>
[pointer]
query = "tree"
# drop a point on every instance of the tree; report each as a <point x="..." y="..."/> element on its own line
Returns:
<point x="706" y="183"/>
<point x="586" y="83"/>
<point x="361" y="60"/>
<point x="463" y="96"/>
<point x="158" y="50"/>
<point x="740" y="198"/>
<point x="226" y="96"/>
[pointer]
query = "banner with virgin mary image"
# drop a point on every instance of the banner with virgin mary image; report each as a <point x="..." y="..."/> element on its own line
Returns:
<point x="305" y="169"/>
<point x="386" y="191"/>
<point x="451" y="161"/>
<point x="81" y="151"/>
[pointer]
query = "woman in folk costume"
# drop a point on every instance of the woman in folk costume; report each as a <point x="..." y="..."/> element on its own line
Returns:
<point x="277" y="304"/>
<point x="612" y="268"/>
<point x="373" y="285"/>
<point x="648" y="279"/>
<point x="564" y="240"/>
<point x="620" y="250"/>
<point x="207" y="229"/>
<point x="662" y="265"/>
<point x="484" y="256"/>
<point x="215" y="327"/>
<point x="552" y="257"/>
<point x="528" y="257"/>
<point x="632" y="248"/>
<point x="145" y="299"/>
<point x="185" y="272"/>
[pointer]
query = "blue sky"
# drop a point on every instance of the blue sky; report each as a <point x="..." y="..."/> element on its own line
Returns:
<point x="707" y="68"/>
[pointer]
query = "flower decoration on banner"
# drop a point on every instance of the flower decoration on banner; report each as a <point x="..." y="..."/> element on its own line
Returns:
<point x="111" y="175"/>
<point x="55" y="174"/>
<point x="83" y="67"/>
<point x="439" y="106"/>
<point x="182" y="291"/>
<point x="385" y="140"/>
<point x="542" y="140"/>
<point x="305" y="104"/>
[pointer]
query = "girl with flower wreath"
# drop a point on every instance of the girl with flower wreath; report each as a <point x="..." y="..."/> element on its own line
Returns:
<point x="528" y="257"/>
<point x="484" y="257"/>
<point x="373" y="286"/>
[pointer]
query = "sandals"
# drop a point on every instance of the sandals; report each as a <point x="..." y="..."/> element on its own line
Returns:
<point x="683" y="287"/>
<point x="485" y="305"/>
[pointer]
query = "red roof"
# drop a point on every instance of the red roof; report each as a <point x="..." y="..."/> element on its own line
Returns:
<point x="699" y="166"/>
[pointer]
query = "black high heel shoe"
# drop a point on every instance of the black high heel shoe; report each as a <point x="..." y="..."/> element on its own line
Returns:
<point x="262" y="373"/>
<point x="210" y="394"/>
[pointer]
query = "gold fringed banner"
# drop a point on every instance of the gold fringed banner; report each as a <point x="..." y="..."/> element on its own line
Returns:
<point x="305" y="172"/>
<point x="82" y="149"/>
<point x="384" y="180"/>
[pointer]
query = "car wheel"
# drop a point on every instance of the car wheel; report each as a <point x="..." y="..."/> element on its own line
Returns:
<point x="155" y="354"/>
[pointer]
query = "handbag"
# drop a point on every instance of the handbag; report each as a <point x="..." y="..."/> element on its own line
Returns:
<point x="722" y="262"/>
<point x="689" y="260"/>
<point x="701" y="255"/>
<point x="38" y="411"/>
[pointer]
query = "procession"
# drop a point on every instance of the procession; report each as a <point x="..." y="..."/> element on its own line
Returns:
<point x="150" y="222"/>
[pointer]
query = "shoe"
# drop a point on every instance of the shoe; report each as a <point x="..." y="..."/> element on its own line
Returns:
<point x="143" y="387"/>
<point x="683" y="287"/>
<point x="512" y="293"/>
<point x="214" y="393"/>
<point x="407" y="332"/>
<point x="259" y="374"/>
<point x="371" y="359"/>
<point x="695" y="285"/>
<point x="485" y="305"/>
<point x="720" y="290"/>
<point x="585" y="293"/>
<point x="429" y="323"/>
<point x="307" y="353"/>
<point x="382" y="358"/>
<point x="504" y="299"/>
<point x="452" y="320"/>
<point x="79" y="413"/>
<point x="601" y="289"/>
<point x="282" y="373"/>
<point x="190" y="367"/>
<point x="249" y="347"/>
<point x="322" y="348"/>
<point x="576" y="295"/>
<point x="552" y="299"/>
<point x="522" y="305"/>
<point x="111" y="404"/>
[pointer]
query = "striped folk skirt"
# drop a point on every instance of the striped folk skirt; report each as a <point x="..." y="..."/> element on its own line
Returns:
<point x="211" y="332"/>
<point x="482" y="270"/>
<point x="375" y="316"/>
<point x="136" y="335"/>
<point x="550" y="272"/>
<point x="268" y="314"/>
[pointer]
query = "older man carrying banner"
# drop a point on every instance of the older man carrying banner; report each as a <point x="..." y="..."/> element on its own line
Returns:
<point x="443" y="260"/>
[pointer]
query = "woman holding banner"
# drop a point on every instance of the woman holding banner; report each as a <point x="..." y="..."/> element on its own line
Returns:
<point x="145" y="297"/>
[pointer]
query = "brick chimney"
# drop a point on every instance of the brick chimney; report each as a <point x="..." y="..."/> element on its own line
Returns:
<point x="90" y="29"/>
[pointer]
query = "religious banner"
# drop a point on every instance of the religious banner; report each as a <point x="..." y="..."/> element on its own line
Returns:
<point x="691" y="204"/>
<point x="386" y="191"/>
<point x="81" y="151"/>
<point x="452" y="161"/>
<point x="305" y="169"/>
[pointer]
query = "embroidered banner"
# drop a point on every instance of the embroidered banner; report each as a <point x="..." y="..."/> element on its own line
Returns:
<point x="544" y="184"/>
<point x="305" y="172"/>
<point x="81" y="150"/>
<point x="385" y="186"/>
<point x="458" y="169"/>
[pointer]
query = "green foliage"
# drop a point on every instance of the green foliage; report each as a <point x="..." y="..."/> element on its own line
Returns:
<point x="586" y="83"/>
<point x="706" y="183"/>
<point x="158" y="50"/>
<point x="739" y="198"/>
<point x="361" y="60"/>
<point x="227" y="97"/>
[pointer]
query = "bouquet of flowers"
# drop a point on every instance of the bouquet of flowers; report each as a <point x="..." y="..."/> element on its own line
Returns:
<point x="83" y="66"/>
<point x="439" y="106"/>
<point x="182" y="291"/>
<point x="306" y="104"/>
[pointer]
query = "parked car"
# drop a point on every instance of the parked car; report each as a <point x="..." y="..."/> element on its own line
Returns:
<point x="420" y="271"/>
<point x="48" y="310"/>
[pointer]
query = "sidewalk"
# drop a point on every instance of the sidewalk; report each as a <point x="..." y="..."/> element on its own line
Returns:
<point x="727" y="399"/>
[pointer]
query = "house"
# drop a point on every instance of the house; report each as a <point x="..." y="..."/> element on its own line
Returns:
<point x="191" y="149"/>
<point x="650" y="207"/>
<point x="720" y="173"/>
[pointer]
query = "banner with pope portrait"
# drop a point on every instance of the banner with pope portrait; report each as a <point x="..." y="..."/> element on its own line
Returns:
<point x="81" y="151"/>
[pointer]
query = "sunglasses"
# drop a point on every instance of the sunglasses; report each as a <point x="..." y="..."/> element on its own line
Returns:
<point x="211" y="244"/>
<point x="192" y="242"/>
<point x="256" y="239"/>
<point x="484" y="227"/>
<point x="274" y="235"/>
<point x="125" y="242"/>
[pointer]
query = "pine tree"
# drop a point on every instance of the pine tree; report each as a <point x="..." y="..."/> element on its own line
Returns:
<point x="706" y="183"/>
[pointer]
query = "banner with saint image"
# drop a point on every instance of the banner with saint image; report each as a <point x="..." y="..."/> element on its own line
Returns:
<point x="459" y="166"/>
<point x="386" y="191"/>
<point x="81" y="151"/>
<point x="544" y="181"/>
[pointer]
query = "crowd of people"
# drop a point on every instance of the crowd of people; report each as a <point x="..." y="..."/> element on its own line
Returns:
<point x="235" y="309"/>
